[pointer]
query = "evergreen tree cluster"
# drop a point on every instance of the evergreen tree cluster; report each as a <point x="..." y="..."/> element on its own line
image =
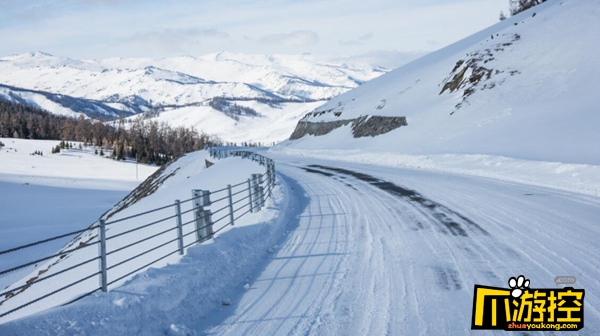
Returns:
<point x="232" y="110"/>
<point x="62" y="145"/>
<point x="1" y="144"/>
<point x="37" y="152"/>
<point x="24" y="122"/>
<point x="148" y="141"/>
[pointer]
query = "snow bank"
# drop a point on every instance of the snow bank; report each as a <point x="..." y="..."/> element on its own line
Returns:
<point x="578" y="178"/>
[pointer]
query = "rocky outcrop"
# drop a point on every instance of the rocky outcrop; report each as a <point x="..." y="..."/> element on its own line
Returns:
<point x="364" y="126"/>
<point x="476" y="72"/>
<point x="376" y="125"/>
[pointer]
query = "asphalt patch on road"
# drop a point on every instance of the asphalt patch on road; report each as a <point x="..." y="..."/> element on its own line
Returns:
<point x="314" y="171"/>
<point x="450" y="221"/>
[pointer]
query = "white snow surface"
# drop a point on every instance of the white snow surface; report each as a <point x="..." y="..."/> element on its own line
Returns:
<point x="539" y="103"/>
<point x="80" y="168"/>
<point x="355" y="259"/>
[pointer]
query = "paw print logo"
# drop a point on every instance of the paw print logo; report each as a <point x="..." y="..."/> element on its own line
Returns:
<point x="518" y="285"/>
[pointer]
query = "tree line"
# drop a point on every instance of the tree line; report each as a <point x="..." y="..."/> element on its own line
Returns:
<point x="148" y="141"/>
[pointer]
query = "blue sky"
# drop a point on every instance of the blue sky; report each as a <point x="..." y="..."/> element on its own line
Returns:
<point x="134" y="28"/>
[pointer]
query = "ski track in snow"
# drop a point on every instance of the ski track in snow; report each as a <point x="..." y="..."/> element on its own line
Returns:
<point x="379" y="250"/>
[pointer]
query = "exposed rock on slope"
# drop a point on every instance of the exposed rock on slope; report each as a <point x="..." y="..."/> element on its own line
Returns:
<point x="364" y="126"/>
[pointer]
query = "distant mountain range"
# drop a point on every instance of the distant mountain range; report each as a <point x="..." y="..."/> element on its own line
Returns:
<point x="272" y="85"/>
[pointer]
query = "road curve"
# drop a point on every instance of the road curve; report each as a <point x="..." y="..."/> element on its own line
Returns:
<point x="385" y="251"/>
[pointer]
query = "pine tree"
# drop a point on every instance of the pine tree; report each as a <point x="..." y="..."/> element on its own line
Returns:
<point x="101" y="152"/>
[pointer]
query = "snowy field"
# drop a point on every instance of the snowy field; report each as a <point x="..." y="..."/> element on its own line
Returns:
<point x="44" y="196"/>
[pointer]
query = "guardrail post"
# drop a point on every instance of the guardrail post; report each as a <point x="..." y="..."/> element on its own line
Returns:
<point x="261" y="193"/>
<point x="179" y="227"/>
<point x="272" y="169"/>
<point x="255" y="193"/>
<point x="202" y="216"/>
<point x="102" y="253"/>
<point x="230" y="203"/>
<point x="250" y="195"/>
<point x="270" y="177"/>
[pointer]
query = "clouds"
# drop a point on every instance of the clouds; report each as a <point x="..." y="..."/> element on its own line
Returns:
<point x="153" y="28"/>
<point x="358" y="41"/>
<point x="171" y="41"/>
<point x="390" y="59"/>
<point x="299" y="38"/>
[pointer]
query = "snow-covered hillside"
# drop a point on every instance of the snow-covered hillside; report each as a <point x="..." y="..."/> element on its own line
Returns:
<point x="275" y="123"/>
<point x="110" y="88"/>
<point x="523" y="88"/>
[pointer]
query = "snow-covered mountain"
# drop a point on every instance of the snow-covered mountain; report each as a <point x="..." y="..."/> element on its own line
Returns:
<point x="523" y="88"/>
<point x="117" y="87"/>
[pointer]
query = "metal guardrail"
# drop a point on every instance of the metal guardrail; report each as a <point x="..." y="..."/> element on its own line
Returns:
<point x="205" y="229"/>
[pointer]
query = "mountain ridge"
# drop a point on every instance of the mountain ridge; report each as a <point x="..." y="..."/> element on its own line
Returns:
<point x="279" y="86"/>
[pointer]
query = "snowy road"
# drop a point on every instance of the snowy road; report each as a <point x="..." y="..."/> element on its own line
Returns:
<point x="378" y="250"/>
